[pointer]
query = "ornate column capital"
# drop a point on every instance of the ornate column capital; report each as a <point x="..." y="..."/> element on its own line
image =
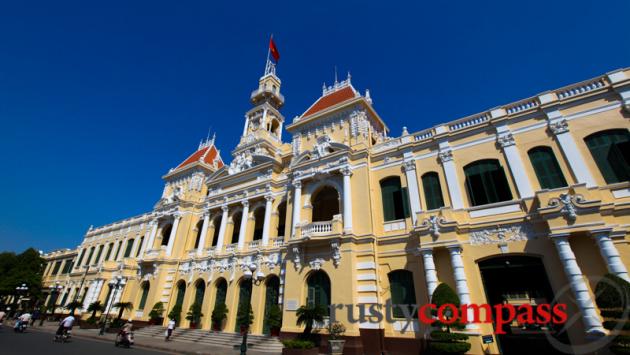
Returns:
<point x="559" y="126"/>
<point x="505" y="140"/>
<point x="409" y="165"/>
<point x="445" y="156"/>
<point x="245" y="204"/>
<point x="346" y="171"/>
<point x="225" y="208"/>
<point x="269" y="198"/>
<point x="297" y="184"/>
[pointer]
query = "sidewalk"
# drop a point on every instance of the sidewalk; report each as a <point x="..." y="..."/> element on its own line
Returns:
<point x="171" y="347"/>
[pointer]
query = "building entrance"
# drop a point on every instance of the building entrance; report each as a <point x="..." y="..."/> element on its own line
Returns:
<point x="519" y="280"/>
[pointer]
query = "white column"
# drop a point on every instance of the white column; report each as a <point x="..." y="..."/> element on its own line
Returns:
<point x="122" y="247"/>
<point x="112" y="255"/>
<point x="461" y="283"/>
<point x="347" y="200"/>
<point x="452" y="182"/>
<point x="515" y="163"/>
<point x="430" y="274"/>
<point x="88" y="296"/>
<point x="221" y="237"/>
<point x="246" y="125"/>
<point x="171" y="238"/>
<point x="149" y="237"/>
<point x="204" y="231"/>
<point x="592" y="322"/>
<point x="243" y="231"/>
<point x="412" y="186"/>
<point x="560" y="129"/>
<point x="154" y="229"/>
<point x="267" y="222"/>
<point x="611" y="255"/>
<point x="297" y="201"/>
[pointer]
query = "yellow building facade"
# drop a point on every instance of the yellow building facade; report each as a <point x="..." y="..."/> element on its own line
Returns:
<point x="525" y="202"/>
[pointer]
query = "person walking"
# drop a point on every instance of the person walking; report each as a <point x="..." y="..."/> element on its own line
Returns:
<point x="2" y="317"/>
<point x="169" y="329"/>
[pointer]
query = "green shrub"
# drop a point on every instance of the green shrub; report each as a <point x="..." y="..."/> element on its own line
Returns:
<point x="612" y="292"/>
<point x="444" y="336"/>
<point x="298" y="344"/>
<point x="157" y="311"/>
<point x="219" y="314"/>
<point x="442" y="295"/>
<point x="274" y="317"/>
<point x="449" y="348"/>
<point x="245" y="315"/>
<point x="176" y="313"/>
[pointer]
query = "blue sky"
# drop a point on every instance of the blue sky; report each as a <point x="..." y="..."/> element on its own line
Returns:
<point x="99" y="99"/>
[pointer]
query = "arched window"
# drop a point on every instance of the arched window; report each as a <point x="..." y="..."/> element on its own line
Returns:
<point x="217" y="229"/>
<point x="244" y="300"/>
<point x="166" y="234"/>
<point x="318" y="285"/>
<point x="89" y="259"/>
<point x="129" y="248"/>
<point x="402" y="291"/>
<point x="259" y="221"/>
<point x="274" y="127"/>
<point x="139" y="249"/>
<point x="199" y="228"/>
<point x="282" y="218"/>
<point x="432" y="190"/>
<point x="200" y="291"/>
<point x="221" y="292"/>
<point x="110" y="247"/>
<point x="546" y="168"/>
<point x="81" y="257"/>
<point x="181" y="292"/>
<point x="486" y="182"/>
<point x="272" y="292"/>
<point x="99" y="253"/>
<point x="325" y="204"/>
<point x="236" y="230"/>
<point x="611" y="151"/>
<point x="145" y="293"/>
<point x="395" y="199"/>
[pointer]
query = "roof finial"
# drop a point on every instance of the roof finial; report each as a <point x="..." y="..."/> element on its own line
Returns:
<point x="336" y="82"/>
<point x="349" y="77"/>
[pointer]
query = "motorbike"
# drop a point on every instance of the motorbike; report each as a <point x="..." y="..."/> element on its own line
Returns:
<point x="20" y="326"/>
<point x="124" y="339"/>
<point x="63" y="337"/>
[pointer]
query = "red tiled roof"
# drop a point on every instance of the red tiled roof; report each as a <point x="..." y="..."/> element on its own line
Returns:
<point x="206" y="154"/>
<point x="330" y="100"/>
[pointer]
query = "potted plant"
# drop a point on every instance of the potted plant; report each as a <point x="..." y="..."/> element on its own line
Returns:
<point x="442" y="340"/>
<point x="299" y="347"/>
<point x="308" y="315"/>
<point x="244" y="318"/>
<point x="336" y="330"/>
<point x="194" y="315"/>
<point x="155" y="316"/>
<point x="219" y="316"/>
<point x="176" y="313"/>
<point x="72" y="306"/>
<point x="274" y="320"/>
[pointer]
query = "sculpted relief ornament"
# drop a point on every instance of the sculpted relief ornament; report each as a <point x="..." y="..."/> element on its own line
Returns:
<point x="322" y="147"/>
<point x="433" y="224"/>
<point x="500" y="235"/>
<point x="569" y="205"/>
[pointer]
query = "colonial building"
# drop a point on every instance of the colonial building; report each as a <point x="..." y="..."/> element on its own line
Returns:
<point x="525" y="202"/>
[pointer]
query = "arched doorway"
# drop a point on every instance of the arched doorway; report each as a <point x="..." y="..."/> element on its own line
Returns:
<point x="219" y="303"/>
<point x="272" y="294"/>
<point x="318" y="289"/>
<point x="195" y="308"/>
<point x="325" y="204"/>
<point x="146" y="286"/>
<point x="179" y="300"/>
<point x="236" y="227"/>
<point x="517" y="280"/>
<point x="244" y="300"/>
<point x="166" y="234"/>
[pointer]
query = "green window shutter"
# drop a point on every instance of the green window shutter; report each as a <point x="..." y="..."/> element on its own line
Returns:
<point x="402" y="291"/>
<point x="609" y="150"/>
<point x="143" y="299"/>
<point x="546" y="167"/>
<point x="486" y="182"/>
<point x="81" y="257"/>
<point x="128" y="249"/>
<point x="405" y="203"/>
<point x="432" y="190"/>
<point x="387" y="194"/>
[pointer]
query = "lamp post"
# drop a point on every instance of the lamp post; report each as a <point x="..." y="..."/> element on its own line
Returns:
<point x="116" y="283"/>
<point x="257" y="278"/>
<point x="20" y="290"/>
<point x="54" y="293"/>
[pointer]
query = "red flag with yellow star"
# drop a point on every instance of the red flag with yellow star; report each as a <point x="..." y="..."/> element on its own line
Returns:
<point x="273" y="49"/>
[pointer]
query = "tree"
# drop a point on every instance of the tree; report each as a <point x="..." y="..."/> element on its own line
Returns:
<point x="157" y="311"/>
<point x="219" y="314"/>
<point x="95" y="307"/>
<point x="194" y="313"/>
<point x="176" y="313"/>
<point x="308" y="315"/>
<point x="25" y="268"/>
<point x="445" y="342"/>
<point x="245" y="316"/>
<point x="122" y="306"/>
<point x="72" y="306"/>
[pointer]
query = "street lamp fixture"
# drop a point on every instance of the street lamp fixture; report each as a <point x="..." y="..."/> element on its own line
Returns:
<point x="256" y="278"/>
<point x="20" y="291"/>
<point x="117" y="283"/>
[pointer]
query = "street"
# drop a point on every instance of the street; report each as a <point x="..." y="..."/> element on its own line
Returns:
<point x="38" y="342"/>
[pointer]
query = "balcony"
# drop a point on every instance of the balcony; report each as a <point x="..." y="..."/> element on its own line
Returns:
<point x="230" y="248"/>
<point x="317" y="229"/>
<point x="255" y="244"/>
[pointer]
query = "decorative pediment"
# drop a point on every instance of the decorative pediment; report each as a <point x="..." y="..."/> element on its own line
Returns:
<point x="501" y="235"/>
